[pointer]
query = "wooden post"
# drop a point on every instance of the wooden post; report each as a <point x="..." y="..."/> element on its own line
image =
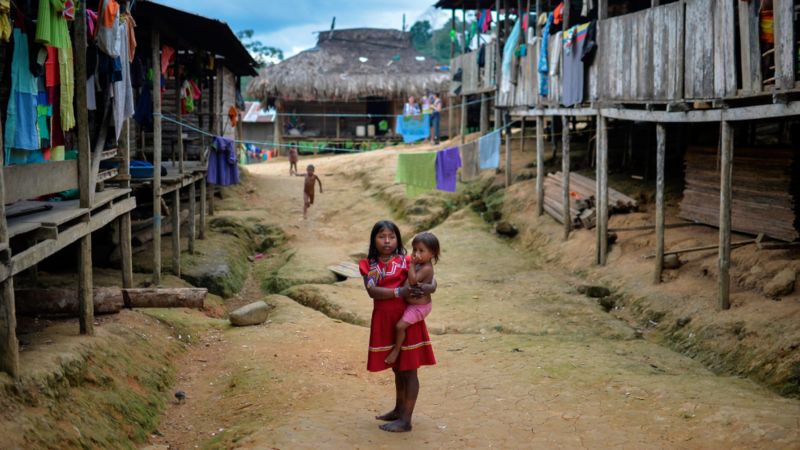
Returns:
<point x="602" y="195"/>
<point x="192" y="215"/>
<point x="156" y="57"/>
<point x="565" y="174"/>
<point x="484" y="114"/>
<point x="9" y="346"/>
<point x="522" y="134"/>
<point x="176" y="232"/>
<point x="450" y="98"/>
<point x="85" y="175"/>
<point x="725" y="187"/>
<point x="661" y="136"/>
<point x="566" y="17"/>
<point x="201" y="232"/>
<point x="536" y="21"/>
<point x="750" y="55"/>
<point x="602" y="9"/>
<point x="497" y="64"/>
<point x="126" y="252"/>
<point x="507" y="126"/>
<point x="463" y="94"/>
<point x="539" y="165"/>
<point x="179" y="114"/>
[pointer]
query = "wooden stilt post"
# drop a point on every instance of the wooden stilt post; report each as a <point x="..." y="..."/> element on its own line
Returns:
<point x="9" y="346"/>
<point x="598" y="181"/>
<point x="522" y="134"/>
<point x="565" y="174"/>
<point x="201" y="232"/>
<point x="484" y="114"/>
<point x="507" y="125"/>
<point x="725" y="187"/>
<point x="85" y="175"/>
<point x="463" y="94"/>
<point x="539" y="165"/>
<point x="451" y="99"/>
<point x="192" y="215"/>
<point x="497" y="63"/>
<point x="156" y="58"/>
<point x="126" y="252"/>
<point x="179" y="114"/>
<point x="661" y="136"/>
<point x="602" y="195"/>
<point x="176" y="232"/>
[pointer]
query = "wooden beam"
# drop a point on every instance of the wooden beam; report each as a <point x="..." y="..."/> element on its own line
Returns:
<point x="463" y="95"/>
<point x="602" y="9"/>
<point x="497" y="64"/>
<point x="484" y="114"/>
<point x="533" y="112"/>
<point x="179" y="115"/>
<point x="602" y="195"/>
<point x="176" y="232"/>
<point x="661" y="136"/>
<point x="566" y="16"/>
<point x="785" y="52"/>
<point x="749" y="46"/>
<point x="725" y="188"/>
<point x="537" y="28"/>
<point x="156" y="58"/>
<point x="9" y="346"/>
<point x="85" y="293"/>
<point x="709" y="115"/>
<point x="192" y="215"/>
<point x="565" y="172"/>
<point x="539" y="163"/>
<point x="126" y="252"/>
<point x="201" y="232"/>
<point x="26" y="181"/>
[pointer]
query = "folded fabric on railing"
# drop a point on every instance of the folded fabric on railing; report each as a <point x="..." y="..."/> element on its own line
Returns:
<point x="413" y="128"/>
<point x="489" y="150"/>
<point x="448" y="161"/>
<point x="417" y="171"/>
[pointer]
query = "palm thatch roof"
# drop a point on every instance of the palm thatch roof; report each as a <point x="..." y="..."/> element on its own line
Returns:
<point x="350" y="64"/>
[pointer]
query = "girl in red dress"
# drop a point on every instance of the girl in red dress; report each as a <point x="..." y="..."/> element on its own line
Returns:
<point x="385" y="272"/>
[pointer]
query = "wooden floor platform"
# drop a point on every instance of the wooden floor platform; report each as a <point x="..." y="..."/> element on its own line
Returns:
<point x="61" y="224"/>
<point x="193" y="171"/>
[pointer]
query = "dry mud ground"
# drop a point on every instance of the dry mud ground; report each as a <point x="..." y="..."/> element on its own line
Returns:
<point x="523" y="360"/>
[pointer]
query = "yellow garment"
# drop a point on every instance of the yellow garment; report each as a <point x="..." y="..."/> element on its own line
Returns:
<point x="57" y="153"/>
<point x="65" y="69"/>
<point x="5" y="20"/>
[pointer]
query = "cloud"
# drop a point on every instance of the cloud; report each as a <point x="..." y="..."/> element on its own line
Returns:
<point x="289" y="25"/>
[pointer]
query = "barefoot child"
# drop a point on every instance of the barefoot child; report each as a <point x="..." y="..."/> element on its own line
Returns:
<point x="308" y="188"/>
<point x="425" y="252"/>
<point x="293" y="157"/>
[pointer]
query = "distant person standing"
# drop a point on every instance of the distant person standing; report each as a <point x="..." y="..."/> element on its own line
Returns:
<point x="426" y="103"/>
<point x="411" y="108"/>
<point x="436" y="117"/>
<point x="293" y="157"/>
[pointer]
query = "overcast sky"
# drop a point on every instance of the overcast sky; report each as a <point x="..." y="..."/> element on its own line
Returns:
<point x="290" y="24"/>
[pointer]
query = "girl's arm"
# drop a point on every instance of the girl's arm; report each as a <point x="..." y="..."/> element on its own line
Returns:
<point x="424" y="288"/>
<point x="320" y="183"/>
<point x="381" y="293"/>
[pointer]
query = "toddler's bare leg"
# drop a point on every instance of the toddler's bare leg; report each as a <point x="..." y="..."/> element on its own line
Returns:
<point x="400" y="336"/>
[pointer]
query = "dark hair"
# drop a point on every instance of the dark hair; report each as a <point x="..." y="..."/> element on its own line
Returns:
<point x="373" y="254"/>
<point x="310" y="166"/>
<point x="428" y="240"/>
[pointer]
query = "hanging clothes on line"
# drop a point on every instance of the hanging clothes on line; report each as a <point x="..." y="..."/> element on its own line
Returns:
<point x="413" y="128"/>
<point x="508" y="56"/>
<point x="22" y="115"/>
<point x="489" y="150"/>
<point x="223" y="163"/>
<point x="417" y="171"/>
<point x="122" y="89"/>
<point x="572" y="85"/>
<point x="555" y="79"/>
<point x="470" y="161"/>
<point x="543" y="67"/>
<point x="448" y="161"/>
<point x="108" y="32"/>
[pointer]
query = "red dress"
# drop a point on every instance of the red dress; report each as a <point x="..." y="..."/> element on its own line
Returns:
<point x="416" y="350"/>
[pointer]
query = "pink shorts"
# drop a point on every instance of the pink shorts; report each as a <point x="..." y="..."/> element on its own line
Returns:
<point x="417" y="313"/>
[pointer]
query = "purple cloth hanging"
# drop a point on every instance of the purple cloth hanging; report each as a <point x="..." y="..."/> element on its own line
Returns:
<point x="448" y="161"/>
<point x="223" y="165"/>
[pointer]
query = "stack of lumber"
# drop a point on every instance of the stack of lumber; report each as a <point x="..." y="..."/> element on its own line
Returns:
<point x="582" y="200"/>
<point x="763" y="190"/>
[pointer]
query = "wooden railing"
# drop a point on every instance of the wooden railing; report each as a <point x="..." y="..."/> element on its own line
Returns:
<point x="679" y="52"/>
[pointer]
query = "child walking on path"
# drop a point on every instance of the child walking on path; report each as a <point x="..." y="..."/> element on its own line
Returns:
<point x="308" y="188"/>
<point x="385" y="272"/>
<point x="293" y="157"/>
<point x="425" y="252"/>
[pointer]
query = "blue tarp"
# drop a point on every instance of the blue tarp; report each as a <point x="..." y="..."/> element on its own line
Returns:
<point x="413" y="128"/>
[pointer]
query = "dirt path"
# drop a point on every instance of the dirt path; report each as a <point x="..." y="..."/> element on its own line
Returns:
<point x="524" y="361"/>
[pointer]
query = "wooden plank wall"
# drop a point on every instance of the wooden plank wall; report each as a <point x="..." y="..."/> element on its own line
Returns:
<point x="750" y="47"/>
<point x="488" y="79"/>
<point x="455" y="64"/>
<point x="699" y="50"/>
<point x="785" y="52"/>
<point x="724" y="54"/>
<point x="471" y="72"/>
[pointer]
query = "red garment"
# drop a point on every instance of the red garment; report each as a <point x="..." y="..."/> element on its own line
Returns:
<point x="416" y="350"/>
<point x="167" y="55"/>
<point x="558" y="13"/>
<point x="51" y="77"/>
<point x="233" y="115"/>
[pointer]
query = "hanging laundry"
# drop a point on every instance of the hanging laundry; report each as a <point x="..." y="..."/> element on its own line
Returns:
<point x="233" y="116"/>
<point x="489" y="150"/>
<point x="508" y="55"/>
<point x="417" y="171"/>
<point x="69" y="10"/>
<point x="223" y="167"/>
<point x="187" y="98"/>
<point x="108" y="30"/>
<point x="542" y="67"/>
<point x="131" y="36"/>
<point x="123" y="91"/>
<point x="51" y="26"/>
<point x="5" y="20"/>
<point x="470" y="161"/>
<point x="558" y="13"/>
<point x="91" y="94"/>
<point x="413" y="128"/>
<point x="66" y="74"/>
<point x="22" y="115"/>
<point x="167" y="55"/>
<point x="448" y="162"/>
<point x="51" y="82"/>
<point x="486" y="20"/>
<point x="91" y="24"/>
<point x="572" y="85"/>
<point x="143" y="113"/>
<point x="556" y="50"/>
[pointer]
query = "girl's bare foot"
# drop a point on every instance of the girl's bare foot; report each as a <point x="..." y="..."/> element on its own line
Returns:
<point x="389" y="416"/>
<point x="397" y="426"/>
<point x="392" y="356"/>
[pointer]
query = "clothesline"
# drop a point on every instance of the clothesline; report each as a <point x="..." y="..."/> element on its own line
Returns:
<point x="368" y="115"/>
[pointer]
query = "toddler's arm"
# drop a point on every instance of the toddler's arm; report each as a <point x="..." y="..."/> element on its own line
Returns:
<point x="320" y="183"/>
<point x="412" y="273"/>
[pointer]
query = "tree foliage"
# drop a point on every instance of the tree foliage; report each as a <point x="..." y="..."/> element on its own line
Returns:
<point x="263" y="54"/>
<point x="435" y="43"/>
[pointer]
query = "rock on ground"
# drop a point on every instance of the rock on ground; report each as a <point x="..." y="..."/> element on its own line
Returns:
<point x="253" y="314"/>
<point x="781" y="284"/>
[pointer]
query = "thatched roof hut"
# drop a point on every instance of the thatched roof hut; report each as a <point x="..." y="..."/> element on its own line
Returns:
<point x="350" y="64"/>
